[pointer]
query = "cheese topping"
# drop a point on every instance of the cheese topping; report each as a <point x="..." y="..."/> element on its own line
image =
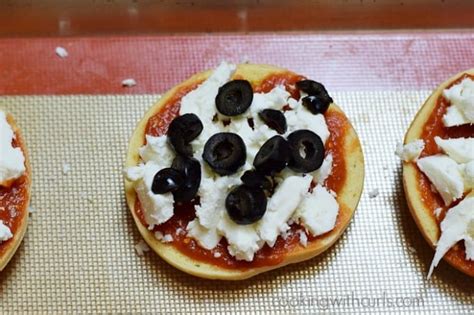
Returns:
<point x="5" y="232"/>
<point x="444" y="173"/>
<point x="458" y="225"/>
<point x="461" y="97"/>
<point x="410" y="151"/>
<point x="12" y="160"/>
<point x="460" y="150"/>
<point x="212" y="221"/>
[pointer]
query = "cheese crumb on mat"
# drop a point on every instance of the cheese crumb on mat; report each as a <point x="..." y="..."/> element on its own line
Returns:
<point x="374" y="193"/>
<point x="66" y="168"/>
<point x="129" y="82"/>
<point x="61" y="52"/>
<point x="141" y="247"/>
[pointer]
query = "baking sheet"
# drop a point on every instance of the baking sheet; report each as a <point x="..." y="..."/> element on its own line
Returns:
<point x="78" y="254"/>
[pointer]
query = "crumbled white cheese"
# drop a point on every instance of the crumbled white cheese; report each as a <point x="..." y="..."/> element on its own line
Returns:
<point x="5" y="232"/>
<point x="243" y="240"/>
<point x="301" y="118"/>
<point x="217" y="254"/>
<point x="303" y="238"/>
<point x="141" y="248"/>
<point x="468" y="175"/>
<point x="167" y="238"/>
<point x="410" y="151"/>
<point x="281" y="207"/>
<point x="437" y="212"/>
<point x="129" y="82"/>
<point x="444" y="174"/>
<point x="275" y="99"/>
<point x="374" y="193"/>
<point x="460" y="150"/>
<point x="157" y="208"/>
<point x="61" y="52"/>
<point x="206" y="238"/>
<point x="321" y="174"/>
<point x="318" y="211"/>
<point x="12" y="160"/>
<point x="461" y="97"/>
<point x="456" y="226"/>
<point x="66" y="168"/>
<point x="157" y="149"/>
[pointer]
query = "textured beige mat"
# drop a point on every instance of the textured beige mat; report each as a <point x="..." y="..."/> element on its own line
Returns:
<point x="78" y="254"/>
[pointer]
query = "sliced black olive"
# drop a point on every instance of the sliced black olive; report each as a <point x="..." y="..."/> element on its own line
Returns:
<point x="315" y="104"/>
<point x="190" y="169"/>
<point x="306" y="151"/>
<point x="318" y="92"/>
<point x="272" y="156"/>
<point x="166" y="180"/>
<point x="274" y="119"/>
<point x="246" y="205"/>
<point x="225" y="153"/>
<point x="182" y="130"/>
<point x="234" y="97"/>
<point x="255" y="179"/>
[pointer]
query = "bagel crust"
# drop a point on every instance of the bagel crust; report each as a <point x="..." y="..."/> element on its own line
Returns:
<point x="17" y="195"/>
<point x="422" y="202"/>
<point x="348" y="192"/>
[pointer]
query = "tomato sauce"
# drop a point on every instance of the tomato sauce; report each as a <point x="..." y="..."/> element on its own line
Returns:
<point x="184" y="213"/>
<point x="13" y="203"/>
<point x="434" y="127"/>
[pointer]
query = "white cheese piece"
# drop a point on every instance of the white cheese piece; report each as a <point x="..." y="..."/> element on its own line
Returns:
<point x="129" y="82"/>
<point x="201" y="101"/>
<point x="141" y="248"/>
<point x="167" y="238"/>
<point x="12" y="160"/>
<point x="444" y="174"/>
<point x="374" y="193"/>
<point x="157" y="208"/>
<point x="461" y="97"/>
<point x="468" y="175"/>
<point x="437" y="212"/>
<point x="456" y="226"/>
<point x="66" y="168"/>
<point x="460" y="149"/>
<point x="301" y="118"/>
<point x="303" y="238"/>
<point x="157" y="149"/>
<point x="243" y="240"/>
<point x="281" y="207"/>
<point x="212" y="199"/>
<point x="217" y="254"/>
<point x="61" y="52"/>
<point x="321" y="174"/>
<point x="5" y="232"/>
<point x="275" y="99"/>
<point x="318" y="211"/>
<point x="410" y="151"/>
<point x="206" y="238"/>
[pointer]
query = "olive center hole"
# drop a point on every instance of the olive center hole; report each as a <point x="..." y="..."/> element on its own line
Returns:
<point x="223" y="150"/>
<point x="306" y="149"/>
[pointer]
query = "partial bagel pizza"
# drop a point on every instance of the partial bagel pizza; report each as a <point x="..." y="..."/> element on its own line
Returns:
<point x="15" y="187"/>
<point x="438" y="171"/>
<point x="243" y="169"/>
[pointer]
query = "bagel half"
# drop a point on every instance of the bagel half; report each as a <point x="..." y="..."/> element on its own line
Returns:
<point x="9" y="247"/>
<point x="348" y="196"/>
<point x="421" y="212"/>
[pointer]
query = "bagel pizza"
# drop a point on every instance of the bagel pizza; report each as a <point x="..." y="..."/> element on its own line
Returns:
<point x="243" y="169"/>
<point x="438" y="171"/>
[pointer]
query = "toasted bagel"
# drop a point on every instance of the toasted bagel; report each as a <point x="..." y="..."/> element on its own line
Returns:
<point x="422" y="214"/>
<point x="9" y="247"/>
<point x="348" y="196"/>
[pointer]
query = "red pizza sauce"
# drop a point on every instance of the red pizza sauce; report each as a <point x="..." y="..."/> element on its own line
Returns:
<point x="183" y="214"/>
<point x="13" y="201"/>
<point x="434" y="127"/>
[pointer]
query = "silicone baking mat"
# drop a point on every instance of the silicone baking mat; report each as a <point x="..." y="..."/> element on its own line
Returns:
<point x="78" y="255"/>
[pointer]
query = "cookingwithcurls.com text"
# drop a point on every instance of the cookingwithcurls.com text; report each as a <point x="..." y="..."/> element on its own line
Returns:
<point x="351" y="300"/>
